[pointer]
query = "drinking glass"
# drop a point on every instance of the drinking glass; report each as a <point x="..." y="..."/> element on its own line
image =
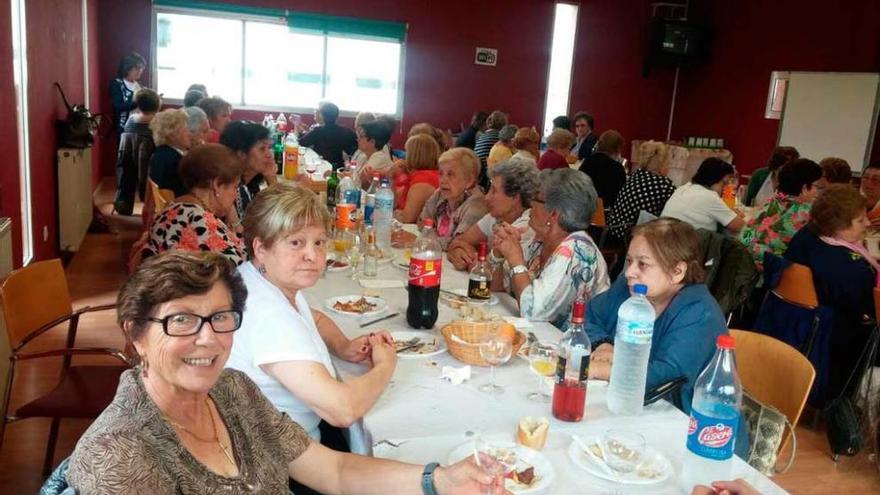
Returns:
<point x="542" y="362"/>
<point x="354" y="251"/>
<point x="494" y="350"/>
<point x="623" y="450"/>
<point x="501" y="460"/>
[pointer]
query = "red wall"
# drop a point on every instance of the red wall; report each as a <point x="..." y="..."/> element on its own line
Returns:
<point x="726" y="98"/>
<point x="9" y="192"/>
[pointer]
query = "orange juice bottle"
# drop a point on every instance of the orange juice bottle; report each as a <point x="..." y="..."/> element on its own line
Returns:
<point x="291" y="157"/>
<point x="729" y="195"/>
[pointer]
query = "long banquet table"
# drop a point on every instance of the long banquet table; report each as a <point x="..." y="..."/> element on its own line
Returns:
<point x="421" y="418"/>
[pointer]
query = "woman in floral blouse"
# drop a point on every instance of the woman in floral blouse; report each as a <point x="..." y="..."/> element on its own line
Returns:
<point x="562" y="263"/>
<point x="788" y="210"/>
<point x="192" y="222"/>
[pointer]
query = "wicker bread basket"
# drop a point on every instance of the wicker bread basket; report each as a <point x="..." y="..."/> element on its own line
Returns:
<point x="466" y="346"/>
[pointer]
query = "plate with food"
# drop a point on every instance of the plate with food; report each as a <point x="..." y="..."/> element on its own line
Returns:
<point x="336" y="265"/>
<point x="356" y="305"/>
<point x="458" y="297"/>
<point x="417" y="344"/>
<point x="533" y="472"/>
<point x="655" y="468"/>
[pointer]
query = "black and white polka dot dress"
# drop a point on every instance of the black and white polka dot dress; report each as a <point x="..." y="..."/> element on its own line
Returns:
<point x="643" y="190"/>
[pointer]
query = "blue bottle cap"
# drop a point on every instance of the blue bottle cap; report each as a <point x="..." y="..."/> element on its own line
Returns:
<point x="641" y="289"/>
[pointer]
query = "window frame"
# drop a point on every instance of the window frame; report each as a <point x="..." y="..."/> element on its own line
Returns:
<point x="267" y="19"/>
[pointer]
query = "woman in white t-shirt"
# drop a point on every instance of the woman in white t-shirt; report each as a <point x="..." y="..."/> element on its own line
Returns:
<point x="372" y="138"/>
<point x="285" y="346"/>
<point x="699" y="201"/>
<point x="513" y="184"/>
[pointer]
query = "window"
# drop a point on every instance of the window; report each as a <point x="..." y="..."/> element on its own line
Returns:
<point x="561" y="56"/>
<point x="20" y="82"/>
<point x="277" y="62"/>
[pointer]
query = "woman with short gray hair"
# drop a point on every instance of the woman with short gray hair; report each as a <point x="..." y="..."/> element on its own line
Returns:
<point x="513" y="184"/>
<point x="562" y="263"/>
<point x="197" y="123"/>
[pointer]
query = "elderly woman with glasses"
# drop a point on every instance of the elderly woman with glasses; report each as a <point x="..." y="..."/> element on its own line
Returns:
<point x="562" y="263"/>
<point x="513" y="184"/>
<point x="181" y="423"/>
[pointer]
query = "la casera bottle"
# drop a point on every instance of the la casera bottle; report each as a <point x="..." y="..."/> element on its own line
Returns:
<point x="572" y="368"/>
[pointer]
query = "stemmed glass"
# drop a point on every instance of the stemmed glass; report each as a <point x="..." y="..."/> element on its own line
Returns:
<point x="542" y="361"/>
<point x="354" y="251"/>
<point x="495" y="350"/>
<point x="501" y="460"/>
<point x="623" y="450"/>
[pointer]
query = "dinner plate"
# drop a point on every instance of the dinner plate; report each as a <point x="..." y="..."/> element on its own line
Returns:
<point x="657" y="462"/>
<point x="434" y="344"/>
<point x="338" y="268"/>
<point x="380" y="303"/>
<point x="493" y="299"/>
<point x="526" y="457"/>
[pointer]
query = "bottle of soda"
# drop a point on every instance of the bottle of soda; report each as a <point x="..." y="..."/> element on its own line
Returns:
<point x="384" y="215"/>
<point x="278" y="152"/>
<point x="714" y="419"/>
<point x="291" y="156"/>
<point x="632" y="347"/>
<point x="332" y="185"/>
<point x="572" y="368"/>
<point x="480" y="277"/>
<point x="424" y="278"/>
<point x="370" y="201"/>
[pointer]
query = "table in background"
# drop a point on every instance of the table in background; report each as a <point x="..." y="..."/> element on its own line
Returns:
<point x="420" y="418"/>
<point x="683" y="162"/>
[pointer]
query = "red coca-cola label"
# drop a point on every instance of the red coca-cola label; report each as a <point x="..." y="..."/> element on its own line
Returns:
<point x="425" y="273"/>
<point x="715" y="436"/>
<point x="692" y="427"/>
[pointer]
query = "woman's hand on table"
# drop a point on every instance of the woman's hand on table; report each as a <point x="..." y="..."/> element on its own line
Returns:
<point x="736" y="487"/>
<point x="462" y="256"/>
<point x="466" y="478"/>
<point x="600" y="362"/>
<point x="357" y="350"/>
<point x="382" y="349"/>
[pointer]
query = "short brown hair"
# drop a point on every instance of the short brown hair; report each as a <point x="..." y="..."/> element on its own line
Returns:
<point x="835" y="209"/>
<point x="654" y="156"/>
<point x="560" y="138"/>
<point x="610" y="141"/>
<point x="836" y="170"/>
<point x="422" y="152"/>
<point x="436" y="133"/>
<point x="147" y="100"/>
<point x="279" y="210"/>
<point x="204" y="164"/>
<point x="524" y="136"/>
<point x="214" y="106"/>
<point x="496" y="120"/>
<point x="672" y="242"/>
<point x="173" y="275"/>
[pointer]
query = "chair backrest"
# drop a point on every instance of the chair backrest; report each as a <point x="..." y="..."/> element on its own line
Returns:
<point x="796" y="286"/>
<point x="774" y="373"/>
<point x="32" y="297"/>
<point x="161" y="197"/>
<point x="599" y="216"/>
<point x="877" y="304"/>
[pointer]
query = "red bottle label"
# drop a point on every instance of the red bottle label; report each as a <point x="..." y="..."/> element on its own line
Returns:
<point x="425" y="273"/>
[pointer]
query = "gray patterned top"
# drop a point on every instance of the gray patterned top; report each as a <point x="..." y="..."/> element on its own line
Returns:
<point x="131" y="448"/>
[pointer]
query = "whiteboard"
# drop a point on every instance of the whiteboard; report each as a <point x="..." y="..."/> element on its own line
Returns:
<point x="831" y="114"/>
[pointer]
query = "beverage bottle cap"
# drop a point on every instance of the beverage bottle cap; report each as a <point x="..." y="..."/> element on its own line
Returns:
<point x="725" y="342"/>
<point x="429" y="222"/>
<point x="577" y="311"/>
<point x="640" y="289"/>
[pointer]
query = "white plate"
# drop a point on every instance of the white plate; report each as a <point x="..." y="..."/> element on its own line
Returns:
<point x="428" y="337"/>
<point x="493" y="299"/>
<point x="338" y="268"/>
<point x="584" y="461"/>
<point x="543" y="469"/>
<point x="380" y="303"/>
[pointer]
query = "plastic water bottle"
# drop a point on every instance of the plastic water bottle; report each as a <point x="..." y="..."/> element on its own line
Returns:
<point x="632" y="347"/>
<point x="715" y="416"/>
<point x="383" y="215"/>
<point x="370" y="201"/>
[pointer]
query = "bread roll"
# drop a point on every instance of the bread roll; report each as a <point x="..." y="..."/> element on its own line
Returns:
<point x="532" y="432"/>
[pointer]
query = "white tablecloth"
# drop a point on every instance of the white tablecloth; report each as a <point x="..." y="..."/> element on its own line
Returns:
<point x="420" y="418"/>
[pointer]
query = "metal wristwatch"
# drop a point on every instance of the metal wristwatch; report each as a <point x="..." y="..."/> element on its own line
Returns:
<point x="428" y="479"/>
<point x="519" y="269"/>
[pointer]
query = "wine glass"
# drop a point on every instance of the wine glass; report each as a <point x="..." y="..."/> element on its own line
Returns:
<point x="542" y="362"/>
<point x="501" y="460"/>
<point x="623" y="450"/>
<point x="495" y="350"/>
<point x="354" y="251"/>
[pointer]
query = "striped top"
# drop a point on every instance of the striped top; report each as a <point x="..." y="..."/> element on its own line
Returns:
<point x="485" y="143"/>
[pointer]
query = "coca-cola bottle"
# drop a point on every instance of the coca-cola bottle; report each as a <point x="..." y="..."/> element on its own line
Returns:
<point x="572" y="367"/>
<point x="424" y="278"/>
<point x="479" y="278"/>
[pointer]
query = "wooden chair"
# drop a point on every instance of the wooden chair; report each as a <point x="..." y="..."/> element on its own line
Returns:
<point x="34" y="300"/>
<point x="156" y="200"/>
<point x="796" y="287"/>
<point x="774" y="373"/>
<point x="599" y="216"/>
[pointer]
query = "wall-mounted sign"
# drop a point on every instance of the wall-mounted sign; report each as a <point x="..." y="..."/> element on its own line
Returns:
<point x="486" y="56"/>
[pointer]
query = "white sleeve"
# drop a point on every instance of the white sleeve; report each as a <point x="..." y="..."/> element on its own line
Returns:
<point x="485" y="224"/>
<point x="719" y="211"/>
<point x="280" y="336"/>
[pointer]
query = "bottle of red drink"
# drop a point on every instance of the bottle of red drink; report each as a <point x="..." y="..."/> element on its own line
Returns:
<point x="570" y="390"/>
<point x="425" y="266"/>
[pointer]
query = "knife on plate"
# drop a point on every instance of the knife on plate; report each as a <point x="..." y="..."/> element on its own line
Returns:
<point x="377" y="320"/>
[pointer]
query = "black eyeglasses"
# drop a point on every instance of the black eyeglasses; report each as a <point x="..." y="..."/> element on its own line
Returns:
<point x="541" y="201"/>
<point x="186" y="324"/>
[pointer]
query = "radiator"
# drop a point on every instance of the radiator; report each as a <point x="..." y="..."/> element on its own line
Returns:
<point x="74" y="196"/>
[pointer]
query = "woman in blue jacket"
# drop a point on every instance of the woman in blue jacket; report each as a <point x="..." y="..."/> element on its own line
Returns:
<point x="123" y="88"/>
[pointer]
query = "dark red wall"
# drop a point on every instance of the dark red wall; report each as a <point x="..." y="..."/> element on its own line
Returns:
<point x="726" y="98"/>
<point x="9" y="191"/>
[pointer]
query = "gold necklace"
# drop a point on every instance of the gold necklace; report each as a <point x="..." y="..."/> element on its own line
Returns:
<point x="216" y="438"/>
